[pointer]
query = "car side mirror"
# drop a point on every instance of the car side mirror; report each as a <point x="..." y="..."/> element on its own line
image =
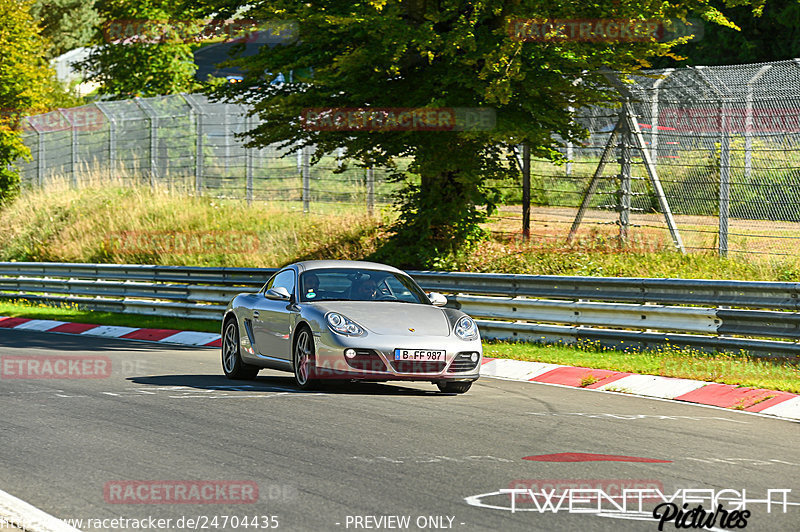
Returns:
<point x="437" y="299"/>
<point x="279" y="293"/>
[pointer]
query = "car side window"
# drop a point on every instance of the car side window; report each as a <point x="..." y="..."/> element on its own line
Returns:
<point x="284" y="279"/>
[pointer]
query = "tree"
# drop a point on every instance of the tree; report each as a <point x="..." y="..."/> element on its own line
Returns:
<point x="774" y="35"/>
<point x="66" y="24"/>
<point x="143" y="49"/>
<point x="25" y="85"/>
<point x="443" y="54"/>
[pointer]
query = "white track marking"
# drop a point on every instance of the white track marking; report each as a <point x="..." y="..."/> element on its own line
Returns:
<point x="30" y="517"/>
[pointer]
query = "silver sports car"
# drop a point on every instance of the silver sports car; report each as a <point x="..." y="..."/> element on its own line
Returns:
<point x="349" y="320"/>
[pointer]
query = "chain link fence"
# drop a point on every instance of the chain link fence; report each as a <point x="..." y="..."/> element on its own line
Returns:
<point x="723" y="141"/>
<point x="186" y="142"/>
<point x="725" y="145"/>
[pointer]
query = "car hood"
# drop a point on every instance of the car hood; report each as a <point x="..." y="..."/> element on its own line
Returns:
<point x="386" y="317"/>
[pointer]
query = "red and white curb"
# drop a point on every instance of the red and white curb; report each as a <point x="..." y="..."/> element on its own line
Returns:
<point x="771" y="402"/>
<point x="166" y="336"/>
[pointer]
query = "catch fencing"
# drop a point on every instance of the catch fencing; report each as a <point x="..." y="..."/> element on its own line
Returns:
<point x="185" y="142"/>
<point x="724" y="142"/>
<point x="759" y="317"/>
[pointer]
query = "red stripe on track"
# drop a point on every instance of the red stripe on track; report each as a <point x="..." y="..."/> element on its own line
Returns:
<point x="150" y="334"/>
<point x="589" y="457"/>
<point x="569" y="376"/>
<point x="730" y="396"/>
<point x="215" y="343"/>
<point x="73" y="328"/>
<point x="779" y="398"/>
<point x="10" y="323"/>
<point x="485" y="360"/>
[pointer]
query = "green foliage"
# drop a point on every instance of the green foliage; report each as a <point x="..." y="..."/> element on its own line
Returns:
<point x="11" y="149"/>
<point x="143" y="65"/>
<point x="66" y="24"/>
<point x="25" y="84"/>
<point x="772" y="36"/>
<point x="438" y="54"/>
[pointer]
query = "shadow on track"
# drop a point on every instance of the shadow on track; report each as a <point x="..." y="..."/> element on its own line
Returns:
<point x="274" y="383"/>
<point x="22" y="338"/>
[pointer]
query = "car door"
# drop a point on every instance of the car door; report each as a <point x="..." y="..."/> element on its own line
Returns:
<point x="272" y="319"/>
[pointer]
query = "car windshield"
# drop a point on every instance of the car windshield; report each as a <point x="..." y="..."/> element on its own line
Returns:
<point x="352" y="284"/>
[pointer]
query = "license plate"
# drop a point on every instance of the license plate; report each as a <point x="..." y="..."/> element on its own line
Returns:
<point x="427" y="355"/>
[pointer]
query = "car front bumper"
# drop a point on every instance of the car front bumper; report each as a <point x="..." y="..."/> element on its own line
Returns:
<point x="374" y="358"/>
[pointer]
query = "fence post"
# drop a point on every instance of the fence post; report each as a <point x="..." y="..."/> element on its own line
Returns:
<point x="370" y="191"/>
<point x="112" y="138"/>
<point x="197" y="111"/>
<point x="153" y="120"/>
<point x="569" y="147"/>
<point x="624" y="193"/>
<point x="306" y="173"/>
<point x="748" y="120"/>
<point x="724" y="179"/>
<point x="73" y="152"/>
<point x="40" y="154"/>
<point x="654" y="116"/>
<point x="526" y="192"/>
<point x="248" y="164"/>
<point x="226" y="138"/>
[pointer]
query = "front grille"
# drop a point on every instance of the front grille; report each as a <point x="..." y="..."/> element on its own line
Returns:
<point x="367" y="360"/>
<point x="417" y="366"/>
<point x="463" y="362"/>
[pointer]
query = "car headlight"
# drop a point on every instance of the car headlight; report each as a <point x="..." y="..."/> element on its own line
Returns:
<point x="466" y="328"/>
<point x="343" y="325"/>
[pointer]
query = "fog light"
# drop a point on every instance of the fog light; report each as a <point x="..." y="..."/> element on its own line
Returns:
<point x="350" y="353"/>
<point x="474" y="357"/>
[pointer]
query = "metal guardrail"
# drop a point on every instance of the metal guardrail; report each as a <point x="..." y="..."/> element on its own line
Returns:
<point x="619" y="312"/>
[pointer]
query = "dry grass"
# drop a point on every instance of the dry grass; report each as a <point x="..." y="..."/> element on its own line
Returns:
<point x="120" y="222"/>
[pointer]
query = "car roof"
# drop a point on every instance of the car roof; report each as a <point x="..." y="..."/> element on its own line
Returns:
<point x="325" y="264"/>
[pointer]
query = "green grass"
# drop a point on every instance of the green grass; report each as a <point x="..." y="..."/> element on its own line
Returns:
<point x="26" y="309"/>
<point x="724" y="368"/>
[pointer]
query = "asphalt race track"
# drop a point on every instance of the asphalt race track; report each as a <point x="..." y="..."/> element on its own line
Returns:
<point x="365" y="456"/>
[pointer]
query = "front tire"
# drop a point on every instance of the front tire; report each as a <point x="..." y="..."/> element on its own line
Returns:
<point x="232" y="363"/>
<point x="304" y="360"/>
<point x="454" y="386"/>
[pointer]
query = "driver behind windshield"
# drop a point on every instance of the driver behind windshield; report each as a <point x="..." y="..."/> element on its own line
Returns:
<point x="310" y="285"/>
<point x="364" y="290"/>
